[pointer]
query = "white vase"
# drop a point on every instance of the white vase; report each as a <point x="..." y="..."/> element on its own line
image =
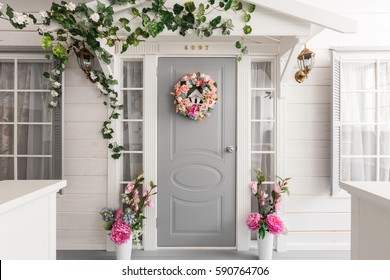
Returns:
<point x="265" y="246"/>
<point x="123" y="251"/>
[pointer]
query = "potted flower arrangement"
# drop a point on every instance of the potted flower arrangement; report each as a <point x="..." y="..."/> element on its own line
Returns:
<point x="125" y="224"/>
<point x="266" y="222"/>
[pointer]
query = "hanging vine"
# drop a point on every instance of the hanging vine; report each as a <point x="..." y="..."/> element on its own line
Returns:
<point x="67" y="27"/>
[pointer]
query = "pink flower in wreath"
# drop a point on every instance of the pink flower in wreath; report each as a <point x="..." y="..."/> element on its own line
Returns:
<point x="184" y="88"/>
<point x="253" y="221"/>
<point x="193" y="109"/>
<point x="274" y="224"/>
<point x="185" y="101"/>
<point x="204" y="107"/>
<point x="186" y="78"/>
<point x="253" y="186"/>
<point x="120" y="233"/>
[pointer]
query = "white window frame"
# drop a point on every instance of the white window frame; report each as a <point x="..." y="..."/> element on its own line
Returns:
<point x="340" y="55"/>
<point x="15" y="57"/>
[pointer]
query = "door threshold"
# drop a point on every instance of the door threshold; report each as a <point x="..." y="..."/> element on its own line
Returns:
<point x="196" y="248"/>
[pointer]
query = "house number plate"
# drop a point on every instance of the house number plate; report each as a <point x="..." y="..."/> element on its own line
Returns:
<point x="196" y="47"/>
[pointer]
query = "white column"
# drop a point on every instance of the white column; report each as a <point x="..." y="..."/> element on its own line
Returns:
<point x="150" y="146"/>
<point x="243" y="152"/>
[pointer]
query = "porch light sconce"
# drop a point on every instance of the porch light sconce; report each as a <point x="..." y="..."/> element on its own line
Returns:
<point x="305" y="63"/>
<point x="85" y="60"/>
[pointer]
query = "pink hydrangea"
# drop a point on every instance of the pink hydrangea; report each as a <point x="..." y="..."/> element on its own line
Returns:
<point x="274" y="224"/>
<point x="120" y="233"/>
<point x="253" y="221"/>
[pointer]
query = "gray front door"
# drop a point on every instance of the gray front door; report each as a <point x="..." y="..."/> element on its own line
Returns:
<point x="196" y="174"/>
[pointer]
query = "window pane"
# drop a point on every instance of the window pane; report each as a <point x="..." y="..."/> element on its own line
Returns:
<point x="262" y="136"/>
<point x="7" y="74"/>
<point x="132" y="136"/>
<point x="30" y="75"/>
<point x="384" y="169"/>
<point x="132" y="104"/>
<point x="266" y="162"/>
<point x="358" y="169"/>
<point x="358" y="140"/>
<point x="384" y="107"/>
<point x="6" y="139"/>
<point x="32" y="107"/>
<point x="34" y="139"/>
<point x="133" y="74"/>
<point x="7" y="106"/>
<point x="263" y="105"/>
<point x="261" y="75"/>
<point x="358" y="76"/>
<point x="34" y="168"/>
<point x="358" y="106"/>
<point x="384" y="75"/>
<point x="132" y="166"/>
<point x="6" y="168"/>
<point x="384" y="148"/>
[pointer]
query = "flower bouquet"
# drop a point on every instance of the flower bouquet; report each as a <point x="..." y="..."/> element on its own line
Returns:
<point x="269" y="201"/>
<point x="127" y="221"/>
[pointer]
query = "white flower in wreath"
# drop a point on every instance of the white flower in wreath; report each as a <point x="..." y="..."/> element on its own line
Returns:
<point x="70" y="6"/>
<point x="95" y="17"/>
<point x="56" y="84"/>
<point x="20" y="18"/>
<point x="101" y="28"/>
<point x="54" y="93"/>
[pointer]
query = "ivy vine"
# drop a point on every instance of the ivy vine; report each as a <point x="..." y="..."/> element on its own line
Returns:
<point x="79" y="25"/>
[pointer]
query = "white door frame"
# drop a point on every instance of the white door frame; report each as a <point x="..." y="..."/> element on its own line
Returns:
<point x="150" y="53"/>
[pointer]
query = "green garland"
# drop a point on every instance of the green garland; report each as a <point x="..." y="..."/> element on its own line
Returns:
<point x="79" y="25"/>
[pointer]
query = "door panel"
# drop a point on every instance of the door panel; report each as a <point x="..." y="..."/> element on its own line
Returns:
<point x="196" y="175"/>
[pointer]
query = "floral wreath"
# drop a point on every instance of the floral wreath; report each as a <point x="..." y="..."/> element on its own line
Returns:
<point x="195" y="96"/>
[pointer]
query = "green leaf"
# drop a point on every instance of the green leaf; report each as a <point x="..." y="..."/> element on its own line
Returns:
<point x="108" y="225"/>
<point x="228" y="5"/>
<point x="247" y="17"/>
<point x="238" y="45"/>
<point x="201" y="9"/>
<point x="10" y="12"/>
<point x="100" y="6"/>
<point x="46" y="42"/>
<point x="135" y="12"/>
<point x="59" y="51"/>
<point x="247" y="29"/>
<point x="116" y="156"/>
<point x="216" y="21"/>
<point x="238" y="6"/>
<point x="251" y="8"/>
<point x="190" y="6"/>
<point x="145" y="19"/>
<point x="46" y="75"/>
<point x="221" y="4"/>
<point x="124" y="21"/>
<point x="177" y="9"/>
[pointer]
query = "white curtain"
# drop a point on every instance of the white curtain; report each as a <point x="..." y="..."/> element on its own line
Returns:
<point x="32" y="107"/>
<point x="133" y="110"/>
<point x="262" y="108"/>
<point x="359" y="137"/>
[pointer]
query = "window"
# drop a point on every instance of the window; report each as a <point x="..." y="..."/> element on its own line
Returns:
<point x="361" y="119"/>
<point x="132" y="121"/>
<point x="263" y="122"/>
<point x="27" y="138"/>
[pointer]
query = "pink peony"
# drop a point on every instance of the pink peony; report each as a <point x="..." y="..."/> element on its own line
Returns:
<point x="253" y="221"/>
<point x="193" y="109"/>
<point x="120" y="233"/>
<point x="253" y="186"/>
<point x="274" y="224"/>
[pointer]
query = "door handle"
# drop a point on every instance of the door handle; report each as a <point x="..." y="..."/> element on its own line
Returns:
<point x="230" y="149"/>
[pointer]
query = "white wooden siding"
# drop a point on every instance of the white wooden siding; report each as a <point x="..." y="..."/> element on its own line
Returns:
<point x="79" y="225"/>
